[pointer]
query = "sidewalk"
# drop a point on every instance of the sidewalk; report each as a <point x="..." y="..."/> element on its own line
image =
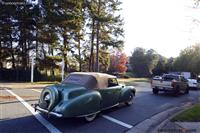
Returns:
<point x="22" y="85"/>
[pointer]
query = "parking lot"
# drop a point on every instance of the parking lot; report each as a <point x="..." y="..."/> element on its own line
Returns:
<point x="17" y="115"/>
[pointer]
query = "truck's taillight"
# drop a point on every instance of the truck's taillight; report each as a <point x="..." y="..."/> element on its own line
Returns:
<point x="173" y="83"/>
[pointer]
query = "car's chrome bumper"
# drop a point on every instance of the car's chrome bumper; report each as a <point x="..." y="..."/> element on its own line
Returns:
<point x="37" y="108"/>
<point x="192" y="85"/>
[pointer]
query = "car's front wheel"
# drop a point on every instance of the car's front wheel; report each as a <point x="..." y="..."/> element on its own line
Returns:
<point x="130" y="100"/>
<point x="91" y="117"/>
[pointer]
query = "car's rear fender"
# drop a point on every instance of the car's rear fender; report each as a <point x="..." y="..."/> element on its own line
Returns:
<point x="126" y="92"/>
<point x="84" y="104"/>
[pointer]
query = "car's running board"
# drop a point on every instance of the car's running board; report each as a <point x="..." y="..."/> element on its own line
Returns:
<point x="98" y="111"/>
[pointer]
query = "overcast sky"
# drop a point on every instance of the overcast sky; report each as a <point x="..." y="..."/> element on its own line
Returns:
<point x="166" y="26"/>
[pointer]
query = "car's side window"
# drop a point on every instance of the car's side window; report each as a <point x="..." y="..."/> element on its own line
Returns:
<point x="112" y="82"/>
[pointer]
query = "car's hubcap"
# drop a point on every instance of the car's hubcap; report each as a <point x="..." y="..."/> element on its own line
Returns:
<point x="130" y="100"/>
<point x="90" y="117"/>
<point x="47" y="97"/>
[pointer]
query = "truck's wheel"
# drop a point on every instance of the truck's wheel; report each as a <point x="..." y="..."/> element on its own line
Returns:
<point x="155" y="91"/>
<point x="177" y="91"/>
<point x="187" y="90"/>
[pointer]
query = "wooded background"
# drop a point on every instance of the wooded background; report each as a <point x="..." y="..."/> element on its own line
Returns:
<point x="85" y="33"/>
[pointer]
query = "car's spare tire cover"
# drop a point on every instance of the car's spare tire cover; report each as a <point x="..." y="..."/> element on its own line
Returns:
<point x="53" y="98"/>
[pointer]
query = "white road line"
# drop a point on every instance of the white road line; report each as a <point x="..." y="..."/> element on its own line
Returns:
<point x="36" y="90"/>
<point x="117" y="121"/>
<point x="42" y="120"/>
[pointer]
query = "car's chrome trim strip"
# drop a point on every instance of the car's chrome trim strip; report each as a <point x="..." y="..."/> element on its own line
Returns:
<point x="46" y="111"/>
<point x="110" y="106"/>
<point x="88" y="114"/>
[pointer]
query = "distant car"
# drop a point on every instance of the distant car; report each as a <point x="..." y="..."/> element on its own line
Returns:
<point x="192" y="83"/>
<point x="170" y="83"/>
<point x="84" y="95"/>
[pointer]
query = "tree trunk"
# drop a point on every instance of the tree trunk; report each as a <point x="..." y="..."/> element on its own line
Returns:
<point x="91" y="60"/>
<point x="52" y="69"/>
<point x="97" y="39"/>
<point x="1" y="60"/>
<point x="12" y="54"/>
<point x="36" y="45"/>
<point x="65" y="51"/>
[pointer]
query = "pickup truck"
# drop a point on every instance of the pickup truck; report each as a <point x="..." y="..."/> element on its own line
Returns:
<point x="170" y="83"/>
<point x="198" y="82"/>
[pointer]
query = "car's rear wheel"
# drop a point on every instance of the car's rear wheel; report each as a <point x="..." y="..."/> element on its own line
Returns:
<point x="155" y="91"/>
<point x="91" y="117"/>
<point x="130" y="100"/>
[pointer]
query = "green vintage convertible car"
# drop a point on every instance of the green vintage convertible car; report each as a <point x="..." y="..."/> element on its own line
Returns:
<point x="84" y="94"/>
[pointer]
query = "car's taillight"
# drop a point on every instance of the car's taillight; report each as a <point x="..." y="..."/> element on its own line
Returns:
<point x="173" y="83"/>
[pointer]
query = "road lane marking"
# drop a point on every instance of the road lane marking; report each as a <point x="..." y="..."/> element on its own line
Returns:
<point x="117" y="121"/>
<point x="42" y="120"/>
<point x="36" y="90"/>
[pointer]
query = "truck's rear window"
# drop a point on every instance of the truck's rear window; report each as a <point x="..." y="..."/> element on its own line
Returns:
<point x="170" y="77"/>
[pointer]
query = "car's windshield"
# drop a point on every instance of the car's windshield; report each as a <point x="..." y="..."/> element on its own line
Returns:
<point x="112" y="82"/>
<point x="87" y="81"/>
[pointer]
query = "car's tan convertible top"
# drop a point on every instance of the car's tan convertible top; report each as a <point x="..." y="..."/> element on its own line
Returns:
<point x="91" y="79"/>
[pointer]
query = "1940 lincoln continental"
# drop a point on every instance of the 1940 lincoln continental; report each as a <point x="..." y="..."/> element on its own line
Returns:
<point x="83" y="94"/>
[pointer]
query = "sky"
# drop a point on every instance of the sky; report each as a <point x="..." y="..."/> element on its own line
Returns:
<point x="167" y="26"/>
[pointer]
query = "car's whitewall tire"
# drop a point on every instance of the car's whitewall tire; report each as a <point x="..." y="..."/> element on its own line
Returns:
<point x="91" y="117"/>
<point x="130" y="101"/>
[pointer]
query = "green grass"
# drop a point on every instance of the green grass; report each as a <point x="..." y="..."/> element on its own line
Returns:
<point x="127" y="81"/>
<point x="46" y="82"/>
<point x="189" y="115"/>
<point x="131" y="81"/>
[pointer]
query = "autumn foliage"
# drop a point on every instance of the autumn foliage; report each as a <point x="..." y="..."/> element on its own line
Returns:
<point x="118" y="62"/>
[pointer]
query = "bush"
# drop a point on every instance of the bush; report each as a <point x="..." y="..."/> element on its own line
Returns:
<point x="21" y="75"/>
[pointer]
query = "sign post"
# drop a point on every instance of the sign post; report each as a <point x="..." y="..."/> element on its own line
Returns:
<point x="63" y="69"/>
<point x="32" y="56"/>
<point x="32" y="69"/>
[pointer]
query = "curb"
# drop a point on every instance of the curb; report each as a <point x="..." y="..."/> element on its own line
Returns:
<point x="179" y="110"/>
<point x="150" y="124"/>
<point x="156" y="122"/>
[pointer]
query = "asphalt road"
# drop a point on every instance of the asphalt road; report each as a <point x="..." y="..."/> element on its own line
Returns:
<point x="16" y="117"/>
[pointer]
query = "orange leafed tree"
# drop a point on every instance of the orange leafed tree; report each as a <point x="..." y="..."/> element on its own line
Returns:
<point x="118" y="62"/>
